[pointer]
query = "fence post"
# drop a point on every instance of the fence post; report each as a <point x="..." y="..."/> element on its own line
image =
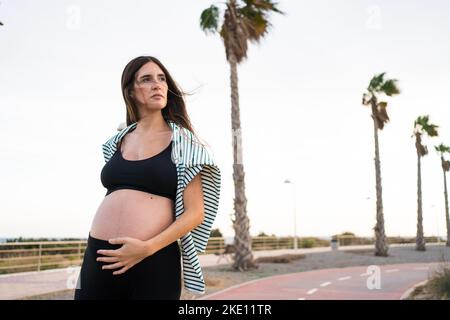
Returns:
<point x="39" y="257"/>
<point x="79" y="250"/>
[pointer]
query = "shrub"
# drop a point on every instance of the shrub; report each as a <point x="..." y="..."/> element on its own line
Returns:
<point x="285" y="258"/>
<point x="308" y="243"/>
<point x="216" y="233"/>
<point x="439" y="284"/>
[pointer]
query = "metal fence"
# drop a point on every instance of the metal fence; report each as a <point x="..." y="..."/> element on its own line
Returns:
<point x="42" y="255"/>
<point x="36" y="256"/>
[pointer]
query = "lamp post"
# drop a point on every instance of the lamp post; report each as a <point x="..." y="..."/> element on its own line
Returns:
<point x="295" y="214"/>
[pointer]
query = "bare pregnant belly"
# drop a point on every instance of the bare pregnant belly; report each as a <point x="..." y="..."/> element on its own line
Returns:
<point x="132" y="213"/>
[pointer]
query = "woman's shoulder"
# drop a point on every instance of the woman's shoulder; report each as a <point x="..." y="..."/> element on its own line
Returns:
<point x="121" y="130"/>
<point x="185" y="135"/>
<point x="194" y="147"/>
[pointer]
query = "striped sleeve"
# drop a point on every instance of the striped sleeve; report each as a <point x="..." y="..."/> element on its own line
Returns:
<point x="109" y="147"/>
<point x="107" y="150"/>
<point x="211" y="179"/>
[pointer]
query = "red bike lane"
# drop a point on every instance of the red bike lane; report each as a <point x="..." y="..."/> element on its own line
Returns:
<point x="383" y="282"/>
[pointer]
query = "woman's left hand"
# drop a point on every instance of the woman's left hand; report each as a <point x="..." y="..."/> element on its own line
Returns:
<point x="132" y="252"/>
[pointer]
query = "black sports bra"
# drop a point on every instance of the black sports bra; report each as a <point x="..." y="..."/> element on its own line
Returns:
<point x="156" y="175"/>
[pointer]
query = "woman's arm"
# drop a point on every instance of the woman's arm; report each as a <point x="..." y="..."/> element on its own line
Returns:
<point x="193" y="215"/>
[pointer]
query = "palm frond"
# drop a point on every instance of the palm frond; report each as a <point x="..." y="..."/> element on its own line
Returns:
<point x="446" y="165"/>
<point x="234" y="34"/>
<point x="389" y="87"/>
<point x="421" y="149"/>
<point x="420" y="122"/>
<point x="255" y="23"/>
<point x="431" y="130"/>
<point x="382" y="104"/>
<point x="263" y="5"/>
<point x="382" y="115"/>
<point x="376" y="82"/>
<point x="242" y="22"/>
<point x="209" y="19"/>
<point x="422" y="125"/>
<point x="442" y="148"/>
<point x="254" y="16"/>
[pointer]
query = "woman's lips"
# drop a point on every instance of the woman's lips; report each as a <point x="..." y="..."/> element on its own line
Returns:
<point x="157" y="97"/>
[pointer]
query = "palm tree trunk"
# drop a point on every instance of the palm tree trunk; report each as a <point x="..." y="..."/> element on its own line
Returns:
<point x="243" y="257"/>
<point x="420" y="241"/>
<point x="381" y="247"/>
<point x="447" y="218"/>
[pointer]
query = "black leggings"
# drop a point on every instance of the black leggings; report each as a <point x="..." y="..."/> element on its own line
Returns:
<point x="157" y="277"/>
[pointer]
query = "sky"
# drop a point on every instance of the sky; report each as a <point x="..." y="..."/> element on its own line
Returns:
<point x="300" y="95"/>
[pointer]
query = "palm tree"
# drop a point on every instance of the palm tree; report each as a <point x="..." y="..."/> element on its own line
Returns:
<point x="421" y="127"/>
<point x="242" y="22"/>
<point x="445" y="167"/>
<point x="378" y="85"/>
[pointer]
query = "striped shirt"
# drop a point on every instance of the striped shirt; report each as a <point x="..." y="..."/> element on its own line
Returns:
<point x="190" y="158"/>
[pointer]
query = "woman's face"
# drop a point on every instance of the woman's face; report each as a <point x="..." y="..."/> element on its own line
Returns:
<point x="150" y="87"/>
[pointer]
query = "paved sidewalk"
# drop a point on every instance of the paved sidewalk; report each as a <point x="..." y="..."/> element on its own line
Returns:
<point x="21" y="285"/>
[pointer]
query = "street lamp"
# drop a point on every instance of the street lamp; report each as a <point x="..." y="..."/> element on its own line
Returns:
<point x="295" y="214"/>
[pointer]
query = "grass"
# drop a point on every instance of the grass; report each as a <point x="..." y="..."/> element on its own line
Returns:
<point x="439" y="285"/>
<point x="285" y="258"/>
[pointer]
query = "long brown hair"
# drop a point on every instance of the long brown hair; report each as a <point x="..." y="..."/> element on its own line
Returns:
<point x="175" y="110"/>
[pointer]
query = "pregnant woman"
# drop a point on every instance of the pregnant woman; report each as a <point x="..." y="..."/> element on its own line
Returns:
<point x="162" y="186"/>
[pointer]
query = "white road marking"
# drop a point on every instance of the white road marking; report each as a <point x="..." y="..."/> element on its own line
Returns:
<point x="301" y="299"/>
<point x="344" y="278"/>
<point x="325" y="284"/>
<point x="364" y="274"/>
<point x="312" y="291"/>
<point x="392" y="270"/>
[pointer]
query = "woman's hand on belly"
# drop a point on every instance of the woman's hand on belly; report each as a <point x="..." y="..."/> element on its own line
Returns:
<point x="131" y="253"/>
